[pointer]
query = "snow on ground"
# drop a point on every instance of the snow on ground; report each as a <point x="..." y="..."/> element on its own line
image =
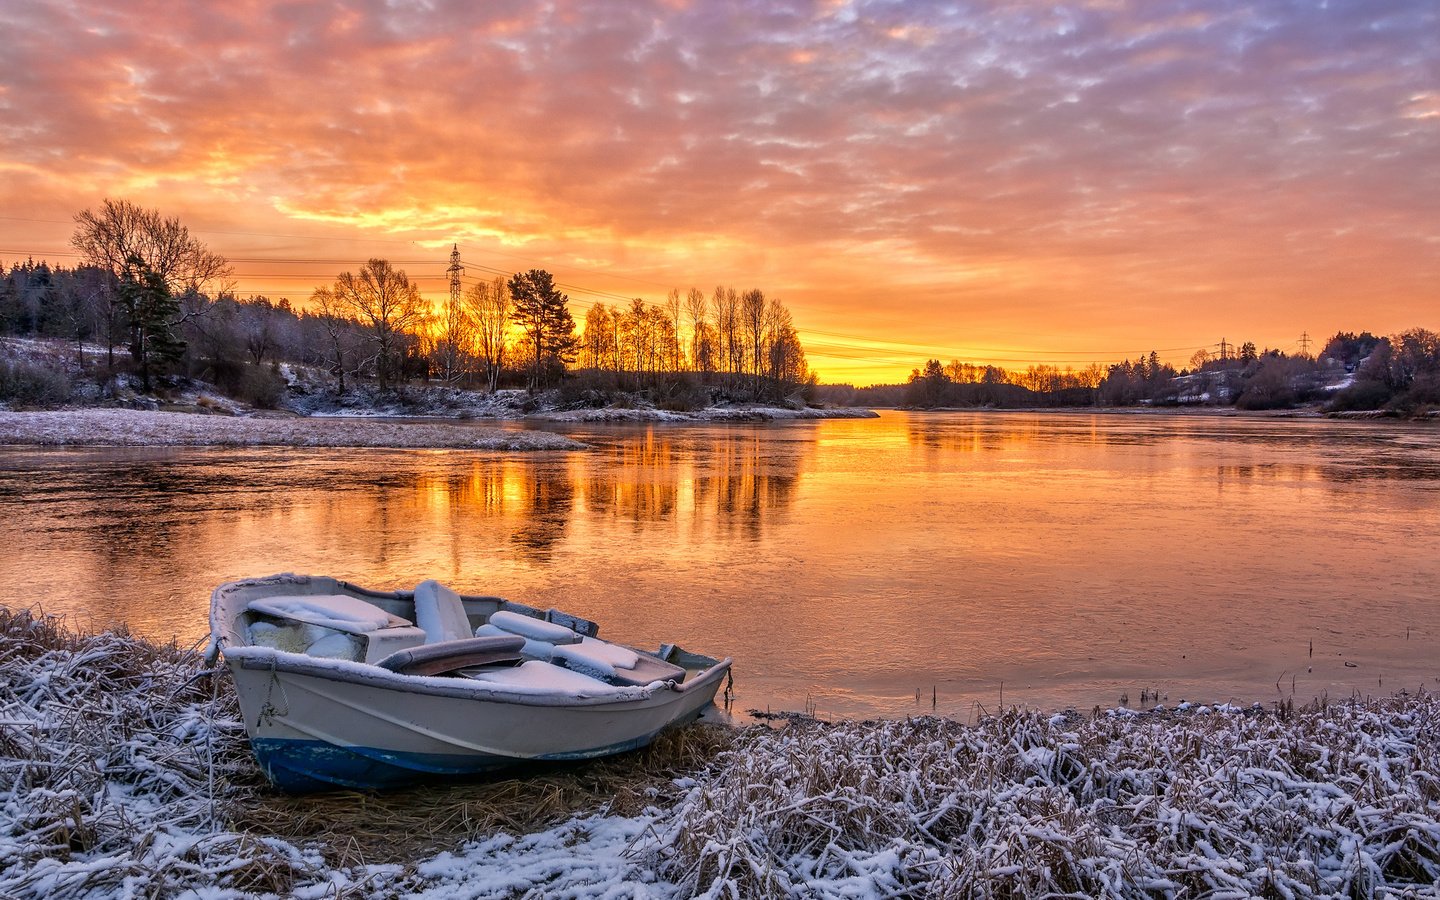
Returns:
<point x="111" y="752"/>
<point x="711" y="414"/>
<point x="139" y="428"/>
<point x="311" y="397"/>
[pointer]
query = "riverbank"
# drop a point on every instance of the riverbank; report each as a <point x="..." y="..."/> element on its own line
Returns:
<point x="1196" y="411"/>
<point x="142" y="428"/>
<point x="126" y="772"/>
<point x="302" y="391"/>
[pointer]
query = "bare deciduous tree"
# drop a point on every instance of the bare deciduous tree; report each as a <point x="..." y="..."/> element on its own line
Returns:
<point x="727" y="326"/>
<point x="389" y="305"/>
<point x="673" y="307"/>
<point x="598" y="345"/>
<point x="456" y="340"/>
<point x="488" y="306"/>
<point x="119" y="232"/>
<point x="752" y="326"/>
<point x="135" y="243"/>
<point x="337" y="325"/>
<point x="695" y="309"/>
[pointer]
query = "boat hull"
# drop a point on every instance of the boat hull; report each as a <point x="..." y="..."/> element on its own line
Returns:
<point x="318" y="727"/>
<point x="307" y="766"/>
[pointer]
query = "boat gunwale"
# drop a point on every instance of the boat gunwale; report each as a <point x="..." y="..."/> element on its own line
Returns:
<point x="267" y="659"/>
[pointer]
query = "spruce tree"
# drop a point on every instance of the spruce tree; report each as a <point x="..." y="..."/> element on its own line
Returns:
<point x="152" y="311"/>
<point x="542" y="312"/>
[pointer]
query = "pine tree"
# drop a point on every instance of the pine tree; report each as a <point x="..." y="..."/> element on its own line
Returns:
<point x="542" y="312"/>
<point x="152" y="311"/>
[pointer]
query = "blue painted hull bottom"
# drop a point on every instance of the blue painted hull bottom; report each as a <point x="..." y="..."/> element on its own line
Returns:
<point x="307" y="766"/>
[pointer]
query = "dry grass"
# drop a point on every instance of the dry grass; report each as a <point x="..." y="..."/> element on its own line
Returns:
<point x="112" y="749"/>
<point x="401" y="826"/>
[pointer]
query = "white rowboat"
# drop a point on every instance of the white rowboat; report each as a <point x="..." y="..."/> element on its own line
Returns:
<point x="341" y="686"/>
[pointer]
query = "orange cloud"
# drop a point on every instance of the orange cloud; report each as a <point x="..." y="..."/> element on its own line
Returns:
<point x="1014" y="178"/>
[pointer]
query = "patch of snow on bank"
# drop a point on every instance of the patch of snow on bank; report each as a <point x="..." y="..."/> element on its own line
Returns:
<point x="139" y="428"/>
<point x="1337" y="386"/>
<point x="583" y="858"/>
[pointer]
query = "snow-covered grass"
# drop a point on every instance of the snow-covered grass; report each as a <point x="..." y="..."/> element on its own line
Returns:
<point x="140" y="428"/>
<point x="311" y="394"/>
<point x="123" y="775"/>
<point x="1338" y="799"/>
<point x="111" y="762"/>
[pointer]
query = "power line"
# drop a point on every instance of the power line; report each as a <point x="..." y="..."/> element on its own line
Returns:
<point x="302" y="237"/>
<point x="972" y="349"/>
<point x="848" y="346"/>
<point x="626" y="276"/>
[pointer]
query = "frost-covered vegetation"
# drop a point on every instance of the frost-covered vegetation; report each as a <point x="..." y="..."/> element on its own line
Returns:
<point x="125" y="773"/>
<point x="137" y="428"/>
<point x="1337" y="799"/>
<point x="739" y="413"/>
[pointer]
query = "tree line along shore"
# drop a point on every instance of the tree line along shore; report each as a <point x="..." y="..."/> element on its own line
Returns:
<point x="148" y="313"/>
<point x="1353" y="375"/>
<point x="148" y="310"/>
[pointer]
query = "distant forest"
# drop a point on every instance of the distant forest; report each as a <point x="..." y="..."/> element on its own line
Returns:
<point x="158" y="302"/>
<point x="1398" y="374"/>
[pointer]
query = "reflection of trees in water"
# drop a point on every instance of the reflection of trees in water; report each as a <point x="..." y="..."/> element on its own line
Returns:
<point x="639" y="482"/>
<point x="547" y="503"/>
<point x="733" y="480"/>
<point x="143" y="519"/>
<point x="750" y="479"/>
<point x="935" y="434"/>
<point x="147" y="510"/>
<point x="970" y="433"/>
<point x="532" y="501"/>
<point x="1329" y="474"/>
<point x="121" y="533"/>
<point x="1274" y="472"/>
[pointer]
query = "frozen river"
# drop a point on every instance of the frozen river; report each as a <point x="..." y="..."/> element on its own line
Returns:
<point x="849" y="565"/>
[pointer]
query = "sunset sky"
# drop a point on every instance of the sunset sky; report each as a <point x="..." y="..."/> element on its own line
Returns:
<point x="1009" y="182"/>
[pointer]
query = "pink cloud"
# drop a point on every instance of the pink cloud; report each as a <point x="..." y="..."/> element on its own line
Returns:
<point x="1045" y="154"/>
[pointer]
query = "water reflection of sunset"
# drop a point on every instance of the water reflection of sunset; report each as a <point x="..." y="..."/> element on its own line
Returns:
<point x="852" y="561"/>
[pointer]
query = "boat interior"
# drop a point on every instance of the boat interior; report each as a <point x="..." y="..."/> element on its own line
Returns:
<point x="448" y="635"/>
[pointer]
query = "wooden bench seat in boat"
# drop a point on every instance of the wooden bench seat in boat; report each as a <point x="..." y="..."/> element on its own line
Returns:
<point x="443" y="657"/>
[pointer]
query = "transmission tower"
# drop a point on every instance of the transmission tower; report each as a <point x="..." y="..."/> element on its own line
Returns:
<point x="1305" y="343"/>
<point x="452" y="316"/>
<point x="1224" y="350"/>
<point x="455" y="271"/>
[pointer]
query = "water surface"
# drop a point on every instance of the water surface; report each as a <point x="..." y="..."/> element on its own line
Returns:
<point x="850" y="565"/>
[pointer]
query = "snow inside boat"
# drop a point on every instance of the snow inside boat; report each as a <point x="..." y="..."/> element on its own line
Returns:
<point x="341" y="686"/>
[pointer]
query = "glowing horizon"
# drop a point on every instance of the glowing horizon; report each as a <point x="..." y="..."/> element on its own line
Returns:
<point x="1007" y="182"/>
